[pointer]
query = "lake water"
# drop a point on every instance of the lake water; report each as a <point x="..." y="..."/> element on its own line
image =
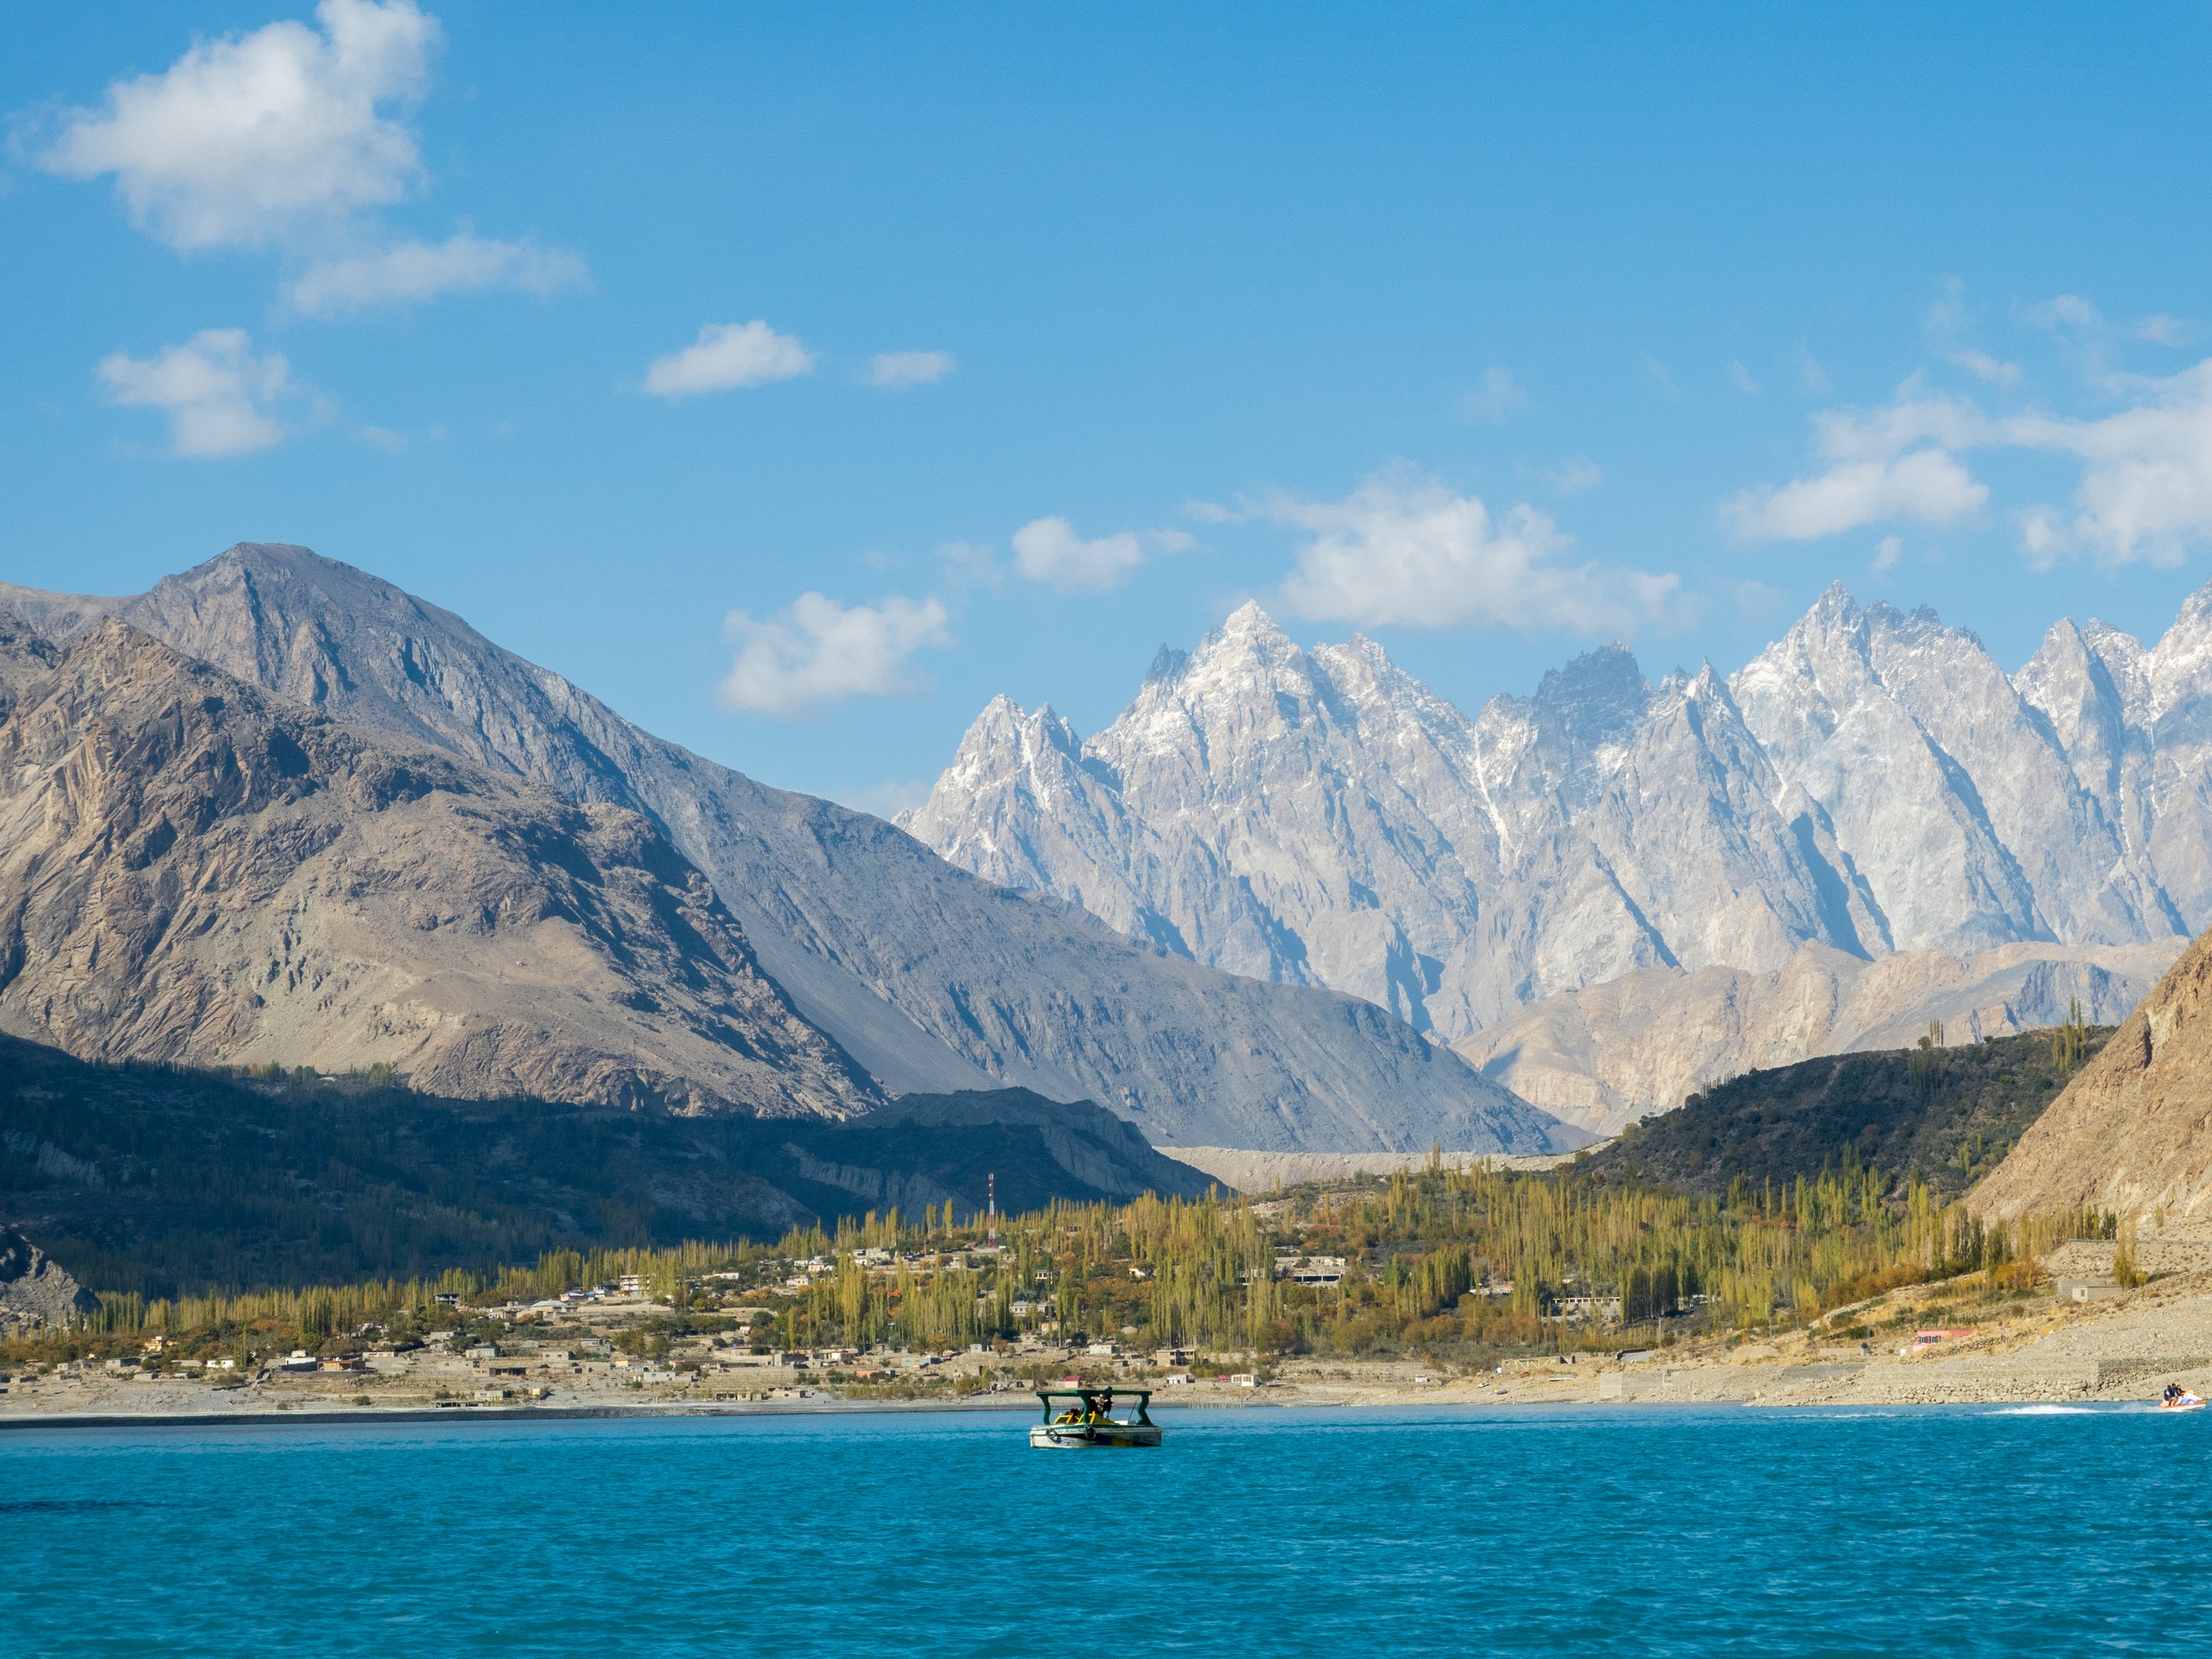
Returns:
<point x="1251" y="1532"/>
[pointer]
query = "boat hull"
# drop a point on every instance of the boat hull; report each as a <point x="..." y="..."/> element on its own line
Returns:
<point x="1090" y="1436"/>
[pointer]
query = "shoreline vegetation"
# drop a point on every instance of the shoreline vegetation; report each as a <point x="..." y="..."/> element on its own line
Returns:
<point x="1445" y="1282"/>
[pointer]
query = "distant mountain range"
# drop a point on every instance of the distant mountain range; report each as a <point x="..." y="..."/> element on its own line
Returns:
<point x="1872" y="786"/>
<point x="278" y="810"/>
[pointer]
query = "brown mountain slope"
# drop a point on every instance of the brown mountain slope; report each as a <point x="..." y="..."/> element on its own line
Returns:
<point x="192" y="870"/>
<point x="933" y="979"/>
<point x="2133" y="1130"/>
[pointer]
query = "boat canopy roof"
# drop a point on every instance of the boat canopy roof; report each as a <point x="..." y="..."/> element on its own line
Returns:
<point x="1103" y="1391"/>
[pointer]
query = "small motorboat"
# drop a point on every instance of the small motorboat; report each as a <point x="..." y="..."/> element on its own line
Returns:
<point x="2177" y="1398"/>
<point x="1086" y="1418"/>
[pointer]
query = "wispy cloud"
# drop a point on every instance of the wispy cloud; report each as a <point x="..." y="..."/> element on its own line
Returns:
<point x="1983" y="367"/>
<point x="2144" y="493"/>
<point x="1049" y="550"/>
<point x="817" y="652"/>
<point x="1575" y="475"/>
<point x="971" y="564"/>
<point x="1497" y="397"/>
<point x="1889" y="463"/>
<point x="1926" y="486"/>
<point x="1740" y="377"/>
<point x="727" y="355"/>
<point x="1404" y="550"/>
<point x="409" y="272"/>
<point x="2145" y="489"/>
<point x="894" y="370"/>
<point x="215" y="389"/>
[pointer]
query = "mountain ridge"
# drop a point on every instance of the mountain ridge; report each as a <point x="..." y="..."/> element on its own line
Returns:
<point x="1873" y="783"/>
<point x="931" y="981"/>
<point x="193" y="870"/>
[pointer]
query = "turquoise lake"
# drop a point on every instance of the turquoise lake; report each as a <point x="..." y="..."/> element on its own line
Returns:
<point x="1251" y="1532"/>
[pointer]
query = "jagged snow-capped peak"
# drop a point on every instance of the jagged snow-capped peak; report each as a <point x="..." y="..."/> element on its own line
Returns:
<point x="1872" y="780"/>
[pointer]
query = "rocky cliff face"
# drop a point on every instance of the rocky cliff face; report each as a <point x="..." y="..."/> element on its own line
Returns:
<point x="37" y="1292"/>
<point x="2133" y="1133"/>
<point x="932" y="980"/>
<point x="1873" y="785"/>
<point x="1324" y="818"/>
<point x="193" y="871"/>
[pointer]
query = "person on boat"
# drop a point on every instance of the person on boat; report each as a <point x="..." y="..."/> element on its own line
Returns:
<point x="2173" y="1392"/>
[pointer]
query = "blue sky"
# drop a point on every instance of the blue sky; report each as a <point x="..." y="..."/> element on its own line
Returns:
<point x="797" y="377"/>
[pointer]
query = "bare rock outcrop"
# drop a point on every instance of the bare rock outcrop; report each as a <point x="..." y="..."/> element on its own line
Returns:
<point x="37" y="1292"/>
<point x="193" y="871"/>
<point x="2133" y="1133"/>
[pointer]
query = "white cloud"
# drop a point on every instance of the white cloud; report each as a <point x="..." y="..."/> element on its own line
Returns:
<point x="1740" y="377"/>
<point x="817" y="652"/>
<point x="1887" y="552"/>
<point x="1894" y="462"/>
<point x="727" y="355"/>
<point x="1498" y="397"/>
<point x="1927" y="487"/>
<point x="1403" y="550"/>
<point x="2145" y="490"/>
<point x="214" y="389"/>
<point x="2161" y="330"/>
<point x="896" y="369"/>
<point x="1811" y="375"/>
<point x="246" y="139"/>
<point x="1048" y="549"/>
<point x="412" y="270"/>
<point x="1983" y="367"/>
<point x="1657" y="370"/>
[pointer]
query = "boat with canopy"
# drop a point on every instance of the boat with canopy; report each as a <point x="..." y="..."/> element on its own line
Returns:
<point x="1079" y="1418"/>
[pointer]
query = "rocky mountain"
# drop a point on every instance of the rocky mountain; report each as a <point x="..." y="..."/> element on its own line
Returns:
<point x="192" y="870"/>
<point x="931" y="979"/>
<point x="2133" y="1132"/>
<point x="1605" y="1056"/>
<point x="1874" y="784"/>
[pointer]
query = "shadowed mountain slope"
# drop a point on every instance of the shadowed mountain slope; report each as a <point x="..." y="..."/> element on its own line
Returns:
<point x="157" y="1179"/>
<point x="1938" y="1116"/>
